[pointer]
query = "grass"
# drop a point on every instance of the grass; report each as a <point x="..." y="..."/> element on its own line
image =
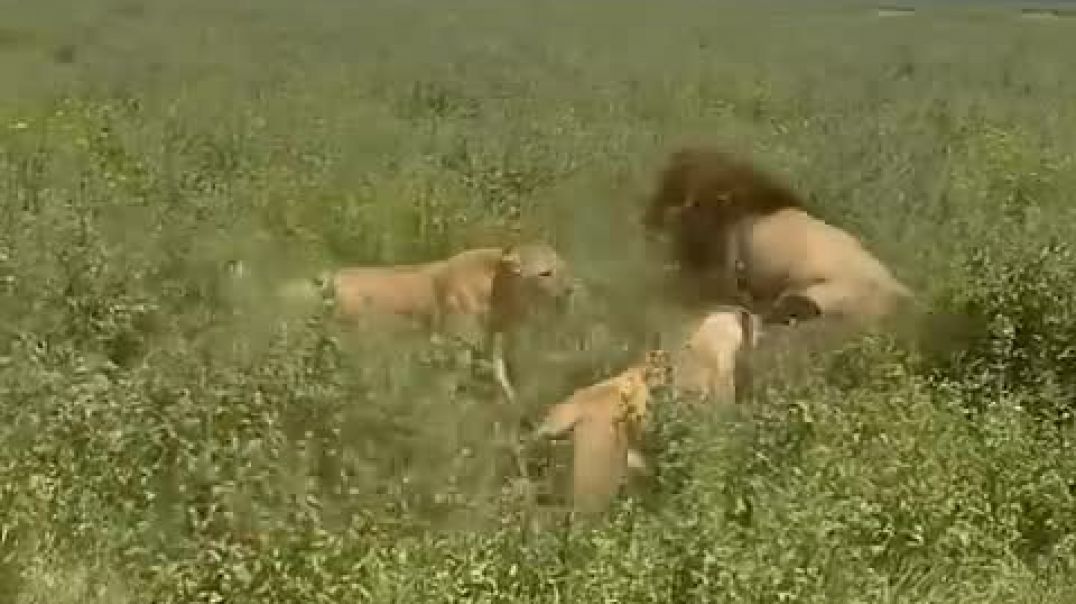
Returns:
<point x="168" y="434"/>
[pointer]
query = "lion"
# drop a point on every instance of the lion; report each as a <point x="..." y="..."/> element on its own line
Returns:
<point x="479" y="295"/>
<point x="605" y="422"/>
<point x="711" y="364"/>
<point x="743" y="237"/>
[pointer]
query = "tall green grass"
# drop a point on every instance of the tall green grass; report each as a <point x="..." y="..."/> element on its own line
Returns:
<point x="169" y="433"/>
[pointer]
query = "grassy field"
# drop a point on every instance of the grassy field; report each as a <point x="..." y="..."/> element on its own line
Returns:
<point x="171" y="434"/>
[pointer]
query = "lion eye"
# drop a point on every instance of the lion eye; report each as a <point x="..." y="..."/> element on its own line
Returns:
<point x="546" y="273"/>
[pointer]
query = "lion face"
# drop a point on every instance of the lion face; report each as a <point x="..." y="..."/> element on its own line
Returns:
<point x="702" y="199"/>
<point x="539" y="273"/>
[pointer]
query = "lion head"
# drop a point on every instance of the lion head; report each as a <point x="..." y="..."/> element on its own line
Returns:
<point x="702" y="191"/>
<point x="528" y="277"/>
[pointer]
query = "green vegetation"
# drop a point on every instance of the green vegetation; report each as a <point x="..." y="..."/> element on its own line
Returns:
<point x="169" y="433"/>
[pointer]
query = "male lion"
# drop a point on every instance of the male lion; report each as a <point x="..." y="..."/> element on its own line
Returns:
<point x="742" y="236"/>
<point x="476" y="294"/>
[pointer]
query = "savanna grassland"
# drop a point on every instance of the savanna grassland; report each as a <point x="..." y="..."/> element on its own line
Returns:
<point x="171" y="432"/>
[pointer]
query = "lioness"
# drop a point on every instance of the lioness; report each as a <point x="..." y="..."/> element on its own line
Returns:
<point x="744" y="237"/>
<point x="477" y="294"/>
<point x="605" y="421"/>
<point x="711" y="364"/>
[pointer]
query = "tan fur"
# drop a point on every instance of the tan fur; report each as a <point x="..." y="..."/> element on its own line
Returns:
<point x="740" y="236"/>
<point x="605" y="422"/>
<point x="710" y="362"/>
<point x="796" y="266"/>
<point x="477" y="295"/>
<point x="406" y="291"/>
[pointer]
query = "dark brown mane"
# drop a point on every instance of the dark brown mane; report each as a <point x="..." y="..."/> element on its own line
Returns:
<point x="700" y="193"/>
<point x="716" y="182"/>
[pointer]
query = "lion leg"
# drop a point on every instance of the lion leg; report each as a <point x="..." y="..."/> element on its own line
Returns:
<point x="597" y="466"/>
<point x="500" y="373"/>
<point x="500" y="368"/>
